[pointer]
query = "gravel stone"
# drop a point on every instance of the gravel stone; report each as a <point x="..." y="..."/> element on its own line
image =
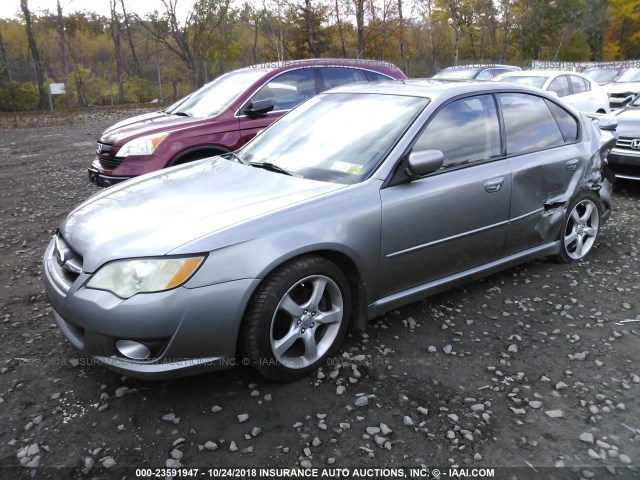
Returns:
<point x="554" y="413"/>
<point x="211" y="446"/>
<point x="243" y="417"/>
<point x="586" y="437"/>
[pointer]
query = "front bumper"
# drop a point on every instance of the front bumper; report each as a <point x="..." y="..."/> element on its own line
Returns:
<point x="625" y="163"/>
<point x="102" y="180"/>
<point x="187" y="330"/>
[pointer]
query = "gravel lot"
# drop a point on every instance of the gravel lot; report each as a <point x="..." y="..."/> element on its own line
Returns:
<point x="535" y="368"/>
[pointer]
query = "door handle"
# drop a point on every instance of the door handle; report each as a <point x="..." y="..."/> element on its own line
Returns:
<point x="494" y="184"/>
<point x="572" y="164"/>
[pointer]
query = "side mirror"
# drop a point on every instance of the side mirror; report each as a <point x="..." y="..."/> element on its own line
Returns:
<point x="424" y="162"/>
<point x="259" y="107"/>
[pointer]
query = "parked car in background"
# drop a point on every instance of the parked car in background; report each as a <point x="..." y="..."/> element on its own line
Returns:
<point x="624" y="158"/>
<point x="473" y="72"/>
<point x="574" y="88"/>
<point x="330" y="217"/>
<point x="223" y="115"/>
<point x="603" y="75"/>
<point x="624" y="88"/>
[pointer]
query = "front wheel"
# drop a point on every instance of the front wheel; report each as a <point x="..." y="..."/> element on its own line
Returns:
<point x="580" y="228"/>
<point x="297" y="318"/>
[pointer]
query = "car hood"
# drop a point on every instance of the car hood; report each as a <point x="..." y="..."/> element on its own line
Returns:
<point x="146" y="124"/>
<point x="628" y="122"/>
<point x="136" y="119"/>
<point x="623" y="87"/>
<point x="157" y="213"/>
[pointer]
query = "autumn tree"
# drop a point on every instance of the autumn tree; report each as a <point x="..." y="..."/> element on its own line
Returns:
<point x="35" y="54"/>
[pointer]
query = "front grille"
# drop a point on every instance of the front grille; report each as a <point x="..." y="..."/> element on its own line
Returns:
<point x="110" y="163"/>
<point x="65" y="263"/>
<point x="106" y="156"/>
<point x="625" y="143"/>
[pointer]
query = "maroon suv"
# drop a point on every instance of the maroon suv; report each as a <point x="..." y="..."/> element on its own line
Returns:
<point x="223" y="115"/>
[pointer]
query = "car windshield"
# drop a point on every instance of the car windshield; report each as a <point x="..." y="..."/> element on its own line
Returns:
<point x="531" y="80"/>
<point x="457" y="73"/>
<point x="215" y="96"/>
<point x="631" y="75"/>
<point x="601" y="75"/>
<point x="339" y="137"/>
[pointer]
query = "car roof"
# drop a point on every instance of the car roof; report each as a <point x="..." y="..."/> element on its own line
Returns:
<point x="480" y="67"/>
<point x="377" y="65"/>
<point x="434" y="89"/>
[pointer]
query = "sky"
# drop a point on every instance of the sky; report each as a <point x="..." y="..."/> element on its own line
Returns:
<point x="11" y="8"/>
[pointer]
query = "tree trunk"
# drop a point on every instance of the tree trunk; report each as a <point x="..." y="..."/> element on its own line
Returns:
<point x="136" y="65"/>
<point x="403" y="60"/>
<point x="64" y="51"/>
<point x="5" y="59"/>
<point x="43" y="103"/>
<point x="431" y="38"/>
<point x="115" y="34"/>
<point x="360" y="26"/>
<point x="256" y="18"/>
<point x="340" y="32"/>
<point x="308" y="10"/>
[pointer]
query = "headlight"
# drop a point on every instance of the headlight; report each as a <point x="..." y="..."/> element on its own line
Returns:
<point x="125" y="278"/>
<point x="141" y="146"/>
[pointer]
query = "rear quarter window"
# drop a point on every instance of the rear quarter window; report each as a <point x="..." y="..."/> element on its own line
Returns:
<point x="567" y="123"/>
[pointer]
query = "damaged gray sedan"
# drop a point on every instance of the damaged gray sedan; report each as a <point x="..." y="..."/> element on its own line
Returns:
<point x="362" y="199"/>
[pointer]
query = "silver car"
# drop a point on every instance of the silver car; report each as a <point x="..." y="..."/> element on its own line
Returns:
<point x="360" y="200"/>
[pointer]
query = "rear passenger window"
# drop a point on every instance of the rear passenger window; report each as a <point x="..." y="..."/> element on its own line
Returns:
<point x="579" y="85"/>
<point x="466" y="131"/>
<point x="336" y="76"/>
<point x="529" y="124"/>
<point x="376" y="77"/>
<point x="560" y="85"/>
<point x="567" y="123"/>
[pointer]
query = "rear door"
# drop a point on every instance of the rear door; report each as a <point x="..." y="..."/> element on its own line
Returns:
<point x="456" y="218"/>
<point x="547" y="161"/>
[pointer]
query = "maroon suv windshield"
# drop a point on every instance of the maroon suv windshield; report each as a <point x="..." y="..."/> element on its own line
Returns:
<point x="217" y="95"/>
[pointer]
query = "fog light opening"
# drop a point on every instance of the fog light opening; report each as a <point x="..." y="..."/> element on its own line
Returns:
<point x="133" y="350"/>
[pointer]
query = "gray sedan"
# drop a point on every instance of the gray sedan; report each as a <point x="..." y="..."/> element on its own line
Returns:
<point x="362" y="199"/>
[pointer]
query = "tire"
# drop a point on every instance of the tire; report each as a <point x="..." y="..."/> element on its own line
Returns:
<point x="580" y="227"/>
<point x="296" y="319"/>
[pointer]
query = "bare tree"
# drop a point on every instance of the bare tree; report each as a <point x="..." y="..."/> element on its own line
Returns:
<point x="308" y="14"/>
<point x="190" y="39"/>
<point x="42" y="103"/>
<point x="403" y="60"/>
<point x="340" y="32"/>
<point x="359" y="4"/>
<point x="127" y="26"/>
<point x="5" y="58"/>
<point x="64" y="50"/>
<point x="115" y="35"/>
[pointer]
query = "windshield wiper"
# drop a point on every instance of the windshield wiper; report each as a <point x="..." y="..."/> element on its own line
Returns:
<point x="272" y="167"/>
<point x="234" y="157"/>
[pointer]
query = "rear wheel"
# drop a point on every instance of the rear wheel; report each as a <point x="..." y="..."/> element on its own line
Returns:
<point x="580" y="228"/>
<point x="296" y="319"/>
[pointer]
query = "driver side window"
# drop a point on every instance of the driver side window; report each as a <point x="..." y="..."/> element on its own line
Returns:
<point x="466" y="131"/>
<point x="288" y="90"/>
